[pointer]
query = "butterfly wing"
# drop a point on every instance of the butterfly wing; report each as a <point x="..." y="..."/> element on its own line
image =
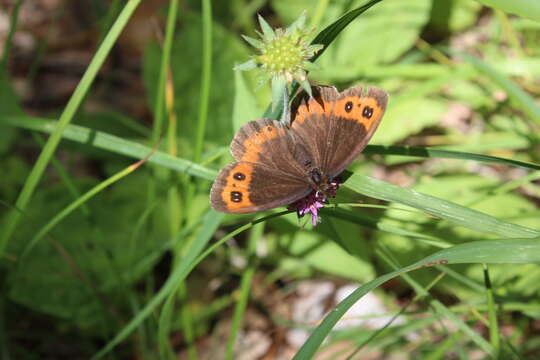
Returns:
<point x="244" y="187"/>
<point x="337" y="126"/>
<point x="268" y="171"/>
<point x="310" y="120"/>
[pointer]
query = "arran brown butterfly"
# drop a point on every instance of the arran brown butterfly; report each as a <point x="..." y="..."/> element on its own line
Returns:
<point x="278" y="164"/>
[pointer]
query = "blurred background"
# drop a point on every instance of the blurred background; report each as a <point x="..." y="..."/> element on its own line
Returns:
<point x="87" y="276"/>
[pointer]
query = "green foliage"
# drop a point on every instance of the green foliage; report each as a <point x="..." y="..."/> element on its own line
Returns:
<point x="109" y="262"/>
<point x="131" y="259"/>
<point x="227" y="49"/>
<point x="352" y="51"/>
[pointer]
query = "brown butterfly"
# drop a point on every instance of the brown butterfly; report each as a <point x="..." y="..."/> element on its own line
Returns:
<point x="277" y="164"/>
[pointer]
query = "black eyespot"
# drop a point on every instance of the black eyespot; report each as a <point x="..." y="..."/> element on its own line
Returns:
<point x="236" y="196"/>
<point x="239" y="176"/>
<point x="367" y="112"/>
<point x="348" y="106"/>
<point x="269" y="128"/>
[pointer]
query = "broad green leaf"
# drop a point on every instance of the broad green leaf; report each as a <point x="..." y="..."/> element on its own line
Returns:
<point x="245" y="107"/>
<point x="414" y="109"/>
<point x="391" y="129"/>
<point x="464" y="14"/>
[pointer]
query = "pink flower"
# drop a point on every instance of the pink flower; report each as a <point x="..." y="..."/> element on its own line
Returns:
<point x="315" y="201"/>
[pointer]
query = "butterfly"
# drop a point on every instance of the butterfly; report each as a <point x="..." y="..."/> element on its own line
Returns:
<point x="277" y="164"/>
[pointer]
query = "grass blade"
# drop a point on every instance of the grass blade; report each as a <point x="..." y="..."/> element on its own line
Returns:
<point x="427" y="152"/>
<point x="8" y="42"/>
<point x="492" y="311"/>
<point x="76" y="204"/>
<point x="115" y="144"/>
<point x="447" y="210"/>
<point x="245" y="287"/>
<point x="135" y="150"/>
<point x="326" y="36"/>
<point x="205" y="77"/>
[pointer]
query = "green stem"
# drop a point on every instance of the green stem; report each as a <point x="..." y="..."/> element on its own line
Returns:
<point x="245" y="285"/>
<point x="4" y="343"/>
<point x="76" y="204"/>
<point x="66" y="117"/>
<point x="165" y="60"/>
<point x="9" y="40"/>
<point x="63" y="174"/>
<point x="492" y="312"/>
<point x="205" y="77"/>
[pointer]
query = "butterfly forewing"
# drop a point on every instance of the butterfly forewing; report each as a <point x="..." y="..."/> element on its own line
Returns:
<point x="243" y="187"/>
<point x="310" y="120"/>
<point x="267" y="173"/>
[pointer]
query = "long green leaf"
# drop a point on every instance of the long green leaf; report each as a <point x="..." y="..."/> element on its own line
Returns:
<point x="75" y="205"/>
<point x="428" y="152"/>
<point x="326" y="36"/>
<point x="115" y="144"/>
<point x="457" y="214"/>
<point x="206" y="75"/>
<point x="8" y="42"/>
<point x="509" y="251"/>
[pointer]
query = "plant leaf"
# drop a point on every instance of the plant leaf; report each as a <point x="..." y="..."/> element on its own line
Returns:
<point x="457" y="214"/>
<point x="268" y="32"/>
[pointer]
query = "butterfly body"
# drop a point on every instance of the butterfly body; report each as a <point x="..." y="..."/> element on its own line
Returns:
<point x="277" y="164"/>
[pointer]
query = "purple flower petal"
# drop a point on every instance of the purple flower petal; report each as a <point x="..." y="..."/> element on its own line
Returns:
<point x="314" y="219"/>
<point x="315" y="201"/>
